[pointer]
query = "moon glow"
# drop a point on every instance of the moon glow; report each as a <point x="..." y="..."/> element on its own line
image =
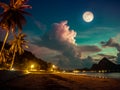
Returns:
<point x="88" y="16"/>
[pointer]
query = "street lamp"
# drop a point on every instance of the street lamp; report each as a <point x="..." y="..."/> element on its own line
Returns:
<point x="32" y="66"/>
<point x="53" y="66"/>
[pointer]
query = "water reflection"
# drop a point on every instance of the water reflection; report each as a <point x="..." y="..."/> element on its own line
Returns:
<point x="103" y="75"/>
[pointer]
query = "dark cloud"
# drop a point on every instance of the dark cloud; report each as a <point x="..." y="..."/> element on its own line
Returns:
<point x="112" y="42"/>
<point x="107" y="56"/>
<point x="88" y="48"/>
<point x="88" y="62"/>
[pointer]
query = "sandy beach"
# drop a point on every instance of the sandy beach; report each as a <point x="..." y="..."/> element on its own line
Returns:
<point x="59" y="81"/>
<point x="83" y="82"/>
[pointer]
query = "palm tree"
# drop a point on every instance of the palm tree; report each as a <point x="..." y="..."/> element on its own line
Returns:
<point x="13" y="17"/>
<point x="17" y="46"/>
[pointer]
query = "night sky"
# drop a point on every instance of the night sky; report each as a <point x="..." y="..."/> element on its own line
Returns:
<point x="58" y="34"/>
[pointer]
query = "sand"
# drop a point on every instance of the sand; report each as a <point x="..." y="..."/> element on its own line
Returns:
<point x="59" y="81"/>
<point x="83" y="82"/>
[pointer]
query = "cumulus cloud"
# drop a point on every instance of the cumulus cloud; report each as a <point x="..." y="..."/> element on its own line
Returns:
<point x="62" y="39"/>
<point x="63" y="33"/>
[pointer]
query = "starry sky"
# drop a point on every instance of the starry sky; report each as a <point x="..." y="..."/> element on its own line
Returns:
<point x="58" y="34"/>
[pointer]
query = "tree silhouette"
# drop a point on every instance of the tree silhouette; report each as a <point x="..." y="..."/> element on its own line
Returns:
<point x="12" y="17"/>
<point x="17" y="46"/>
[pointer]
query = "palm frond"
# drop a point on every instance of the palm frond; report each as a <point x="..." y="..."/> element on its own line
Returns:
<point x="17" y="43"/>
<point x="25" y="7"/>
<point x="22" y="19"/>
<point x="4" y="6"/>
<point x="20" y="3"/>
<point x="24" y="12"/>
<point x="12" y="2"/>
<point x="13" y="15"/>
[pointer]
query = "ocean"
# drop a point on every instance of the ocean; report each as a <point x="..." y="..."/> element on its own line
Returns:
<point x="102" y="75"/>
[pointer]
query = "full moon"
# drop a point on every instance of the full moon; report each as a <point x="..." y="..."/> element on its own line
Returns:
<point x="88" y="16"/>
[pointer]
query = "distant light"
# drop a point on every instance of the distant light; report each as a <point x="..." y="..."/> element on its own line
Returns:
<point x="76" y="71"/>
<point x="64" y="71"/>
<point x="83" y="71"/>
<point x="12" y="69"/>
<point x="27" y="72"/>
<point x="32" y="66"/>
<point x="53" y="66"/>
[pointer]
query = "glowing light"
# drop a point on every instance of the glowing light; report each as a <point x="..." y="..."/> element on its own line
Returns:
<point x="32" y="66"/>
<point x="26" y="72"/>
<point x="64" y="71"/>
<point x="53" y="66"/>
<point x="83" y="71"/>
<point x="76" y="71"/>
<point x="12" y="69"/>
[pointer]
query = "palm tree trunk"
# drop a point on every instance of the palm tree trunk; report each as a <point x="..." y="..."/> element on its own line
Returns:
<point x="13" y="59"/>
<point x="5" y="39"/>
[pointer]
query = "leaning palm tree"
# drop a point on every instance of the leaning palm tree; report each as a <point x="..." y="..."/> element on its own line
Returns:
<point x="17" y="45"/>
<point x="12" y="17"/>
